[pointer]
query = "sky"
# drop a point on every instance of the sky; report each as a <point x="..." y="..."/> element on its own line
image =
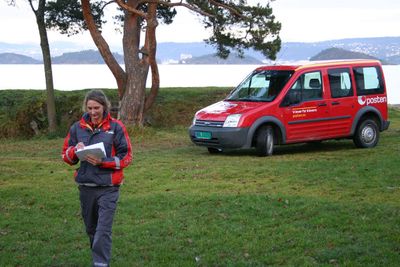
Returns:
<point x="302" y="21"/>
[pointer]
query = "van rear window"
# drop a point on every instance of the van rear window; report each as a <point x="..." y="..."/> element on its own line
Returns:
<point x="368" y="80"/>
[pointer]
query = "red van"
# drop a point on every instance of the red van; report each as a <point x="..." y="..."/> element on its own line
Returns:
<point x="281" y="104"/>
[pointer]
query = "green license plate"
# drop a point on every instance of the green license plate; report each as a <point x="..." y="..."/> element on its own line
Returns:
<point x="203" y="135"/>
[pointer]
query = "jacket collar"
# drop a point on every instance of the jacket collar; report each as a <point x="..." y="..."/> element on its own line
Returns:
<point x="86" y="123"/>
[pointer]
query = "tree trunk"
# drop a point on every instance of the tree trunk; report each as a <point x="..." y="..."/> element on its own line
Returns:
<point x="132" y="103"/>
<point x="151" y="48"/>
<point x="132" y="82"/>
<point x="51" y="106"/>
<point x="136" y="68"/>
<point x="44" y="45"/>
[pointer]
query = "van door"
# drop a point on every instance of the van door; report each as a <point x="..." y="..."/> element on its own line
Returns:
<point x="341" y="101"/>
<point x="304" y="110"/>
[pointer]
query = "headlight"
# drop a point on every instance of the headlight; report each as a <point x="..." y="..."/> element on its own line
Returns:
<point x="232" y="120"/>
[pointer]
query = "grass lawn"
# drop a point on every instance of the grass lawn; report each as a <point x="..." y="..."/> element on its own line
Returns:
<point x="308" y="205"/>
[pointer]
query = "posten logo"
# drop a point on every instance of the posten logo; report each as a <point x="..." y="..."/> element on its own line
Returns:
<point x="362" y="100"/>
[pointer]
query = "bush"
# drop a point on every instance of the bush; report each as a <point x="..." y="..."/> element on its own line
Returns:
<point x="20" y="108"/>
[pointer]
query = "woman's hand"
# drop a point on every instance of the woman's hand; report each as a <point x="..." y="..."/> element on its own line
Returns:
<point x="80" y="145"/>
<point x="93" y="160"/>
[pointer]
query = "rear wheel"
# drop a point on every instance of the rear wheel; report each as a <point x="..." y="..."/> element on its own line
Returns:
<point x="265" y="141"/>
<point x="367" y="134"/>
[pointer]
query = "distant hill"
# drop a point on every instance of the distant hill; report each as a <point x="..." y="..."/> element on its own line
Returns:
<point x="385" y="48"/>
<point x="171" y="52"/>
<point x="12" y="58"/>
<point x="94" y="57"/>
<point x="339" y="53"/>
<point x="214" y="59"/>
<point x="83" y="57"/>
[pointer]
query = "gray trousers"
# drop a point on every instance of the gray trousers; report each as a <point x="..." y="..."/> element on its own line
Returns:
<point x="98" y="206"/>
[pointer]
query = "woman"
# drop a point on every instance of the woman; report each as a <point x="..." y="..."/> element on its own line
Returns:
<point x="98" y="178"/>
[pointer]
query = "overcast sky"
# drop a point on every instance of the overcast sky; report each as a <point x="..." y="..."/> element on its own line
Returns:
<point x="302" y="21"/>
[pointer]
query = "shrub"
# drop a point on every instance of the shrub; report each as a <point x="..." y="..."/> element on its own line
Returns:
<point x="20" y="108"/>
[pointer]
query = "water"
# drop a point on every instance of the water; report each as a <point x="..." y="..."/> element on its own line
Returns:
<point x="392" y="78"/>
<point x="73" y="77"/>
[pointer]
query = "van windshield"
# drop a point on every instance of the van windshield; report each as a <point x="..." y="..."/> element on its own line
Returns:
<point x="261" y="86"/>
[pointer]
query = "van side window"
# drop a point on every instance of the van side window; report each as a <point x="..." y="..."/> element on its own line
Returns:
<point x="368" y="80"/>
<point x="340" y="82"/>
<point x="307" y="87"/>
<point x="310" y="85"/>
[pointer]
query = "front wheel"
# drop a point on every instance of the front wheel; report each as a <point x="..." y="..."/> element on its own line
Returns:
<point x="367" y="134"/>
<point x="213" y="150"/>
<point x="265" y="141"/>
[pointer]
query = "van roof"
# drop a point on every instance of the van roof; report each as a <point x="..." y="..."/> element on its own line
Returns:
<point x="322" y="63"/>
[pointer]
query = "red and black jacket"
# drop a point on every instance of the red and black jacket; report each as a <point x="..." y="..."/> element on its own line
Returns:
<point x="118" y="150"/>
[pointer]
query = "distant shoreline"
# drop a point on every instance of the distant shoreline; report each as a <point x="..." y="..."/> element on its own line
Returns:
<point x="76" y="77"/>
<point x="384" y="48"/>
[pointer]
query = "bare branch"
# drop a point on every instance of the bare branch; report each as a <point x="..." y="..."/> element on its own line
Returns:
<point x="11" y="3"/>
<point x="31" y="5"/>
<point x="178" y="4"/>
<point x="106" y="4"/>
<point x="135" y="11"/>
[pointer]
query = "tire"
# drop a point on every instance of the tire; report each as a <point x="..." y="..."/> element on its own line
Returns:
<point x="213" y="150"/>
<point x="265" y="141"/>
<point x="367" y="134"/>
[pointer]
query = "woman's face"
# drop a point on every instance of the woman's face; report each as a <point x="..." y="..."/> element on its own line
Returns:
<point x="95" y="110"/>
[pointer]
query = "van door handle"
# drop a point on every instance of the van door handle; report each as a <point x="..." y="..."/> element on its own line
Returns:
<point x="322" y="105"/>
<point x="335" y="103"/>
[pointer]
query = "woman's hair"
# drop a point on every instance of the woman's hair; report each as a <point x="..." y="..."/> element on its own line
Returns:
<point x="99" y="97"/>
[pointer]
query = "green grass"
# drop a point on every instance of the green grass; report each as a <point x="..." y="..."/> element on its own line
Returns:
<point x="308" y="205"/>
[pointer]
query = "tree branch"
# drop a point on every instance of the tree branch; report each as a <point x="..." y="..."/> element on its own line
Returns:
<point x="106" y="4"/>
<point x="135" y="11"/>
<point x="177" y="4"/>
<point x="231" y="9"/>
<point x="31" y="5"/>
<point x="11" y="2"/>
<point x="103" y="47"/>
